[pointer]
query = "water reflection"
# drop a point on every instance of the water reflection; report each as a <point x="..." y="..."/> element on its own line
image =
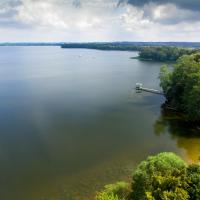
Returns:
<point x="186" y="134"/>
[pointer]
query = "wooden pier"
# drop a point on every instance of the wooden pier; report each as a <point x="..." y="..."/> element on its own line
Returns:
<point x="139" y="87"/>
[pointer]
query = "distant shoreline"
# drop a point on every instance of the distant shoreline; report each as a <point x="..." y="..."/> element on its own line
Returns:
<point x="30" y="44"/>
<point x="123" y="45"/>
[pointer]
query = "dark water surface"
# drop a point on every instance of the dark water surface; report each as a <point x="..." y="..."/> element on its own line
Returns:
<point x="71" y="121"/>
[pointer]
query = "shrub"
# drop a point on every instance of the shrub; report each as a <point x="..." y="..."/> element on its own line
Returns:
<point x="117" y="191"/>
<point x="194" y="181"/>
<point x="161" y="177"/>
<point x="107" y="196"/>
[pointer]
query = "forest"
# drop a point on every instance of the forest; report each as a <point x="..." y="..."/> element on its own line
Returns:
<point x="164" y="53"/>
<point x="182" y="86"/>
<point x="146" y="49"/>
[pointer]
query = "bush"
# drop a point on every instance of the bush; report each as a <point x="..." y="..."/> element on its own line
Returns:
<point x="107" y="196"/>
<point x="117" y="191"/>
<point x="194" y="181"/>
<point x="160" y="177"/>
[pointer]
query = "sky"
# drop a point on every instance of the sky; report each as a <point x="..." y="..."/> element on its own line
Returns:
<point x="99" y="20"/>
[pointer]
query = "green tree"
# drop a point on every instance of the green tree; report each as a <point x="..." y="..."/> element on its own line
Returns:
<point x="182" y="86"/>
<point x="194" y="181"/>
<point x="161" y="177"/>
<point x="165" y="80"/>
<point x="117" y="191"/>
<point x="164" y="53"/>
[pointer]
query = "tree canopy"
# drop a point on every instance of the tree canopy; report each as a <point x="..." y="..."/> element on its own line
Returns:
<point x="182" y="85"/>
<point x="162" y="177"/>
<point x="164" y="53"/>
<point x="117" y="191"/>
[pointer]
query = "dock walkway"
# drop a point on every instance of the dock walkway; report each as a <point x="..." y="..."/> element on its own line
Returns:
<point x="140" y="87"/>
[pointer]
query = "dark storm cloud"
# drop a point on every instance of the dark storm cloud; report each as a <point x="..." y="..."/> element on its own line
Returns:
<point x="186" y="4"/>
<point x="171" y="11"/>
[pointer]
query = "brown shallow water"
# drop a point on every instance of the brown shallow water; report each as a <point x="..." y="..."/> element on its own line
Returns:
<point x="70" y="124"/>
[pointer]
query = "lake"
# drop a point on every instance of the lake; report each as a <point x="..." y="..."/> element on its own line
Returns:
<point x="71" y="121"/>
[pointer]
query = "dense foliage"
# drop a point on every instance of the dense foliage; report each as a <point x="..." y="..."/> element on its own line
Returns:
<point x="161" y="177"/>
<point x="193" y="172"/>
<point x="164" y="53"/>
<point x="146" y="48"/>
<point x="104" y="46"/>
<point x="129" y="46"/>
<point x="182" y="85"/>
<point x="117" y="191"/>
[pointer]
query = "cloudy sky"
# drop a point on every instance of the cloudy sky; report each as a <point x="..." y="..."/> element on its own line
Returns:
<point x="99" y="20"/>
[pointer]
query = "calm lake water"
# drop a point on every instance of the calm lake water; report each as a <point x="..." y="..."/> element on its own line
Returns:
<point x="71" y="121"/>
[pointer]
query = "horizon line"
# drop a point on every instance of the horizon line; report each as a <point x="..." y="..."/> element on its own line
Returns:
<point x="98" y="41"/>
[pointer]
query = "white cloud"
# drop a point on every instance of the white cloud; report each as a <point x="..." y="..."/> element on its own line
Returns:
<point x="96" y="20"/>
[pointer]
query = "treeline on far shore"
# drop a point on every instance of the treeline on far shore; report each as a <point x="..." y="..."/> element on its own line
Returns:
<point x="165" y="53"/>
<point x="147" y="51"/>
<point x="129" y="45"/>
<point x="105" y="46"/>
